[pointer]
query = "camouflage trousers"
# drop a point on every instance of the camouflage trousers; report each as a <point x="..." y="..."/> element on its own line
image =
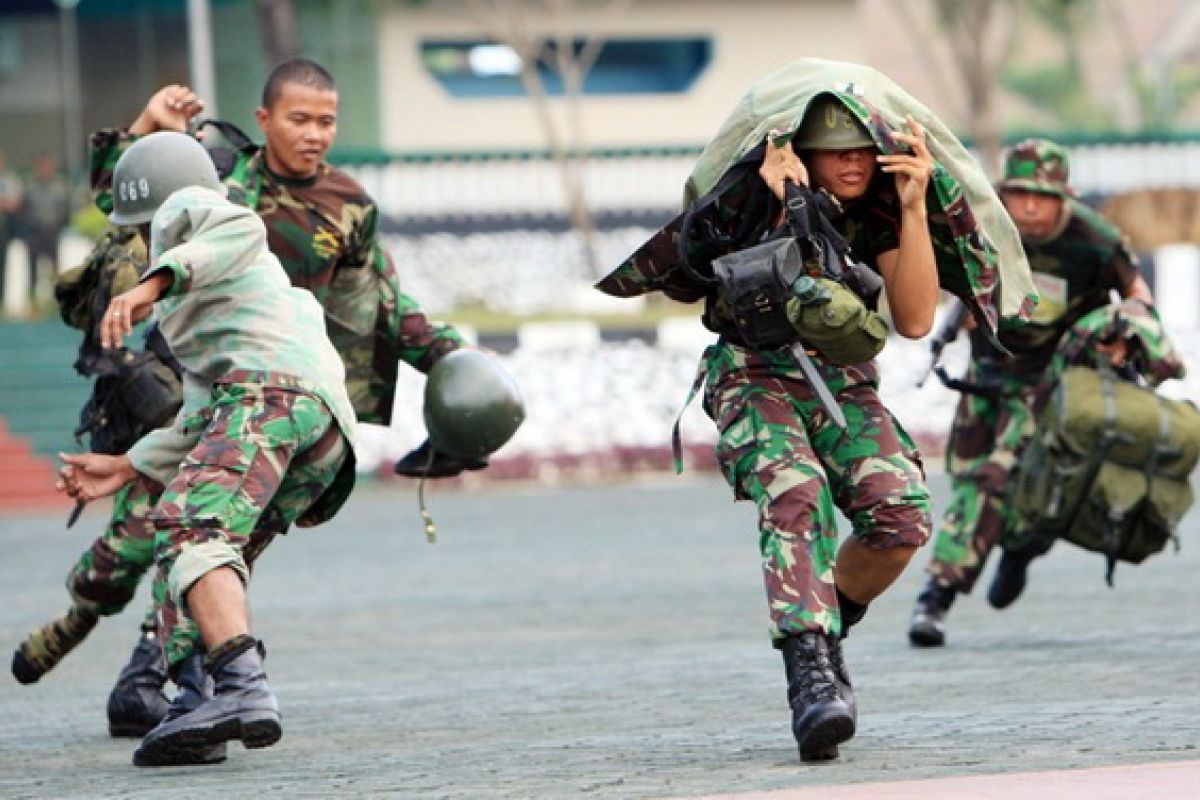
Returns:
<point x="779" y="448"/>
<point x="986" y="441"/>
<point x="267" y="453"/>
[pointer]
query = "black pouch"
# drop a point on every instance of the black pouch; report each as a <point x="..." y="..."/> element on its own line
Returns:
<point x="136" y="392"/>
<point x="756" y="284"/>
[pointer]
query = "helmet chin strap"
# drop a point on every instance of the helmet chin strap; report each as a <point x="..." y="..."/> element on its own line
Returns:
<point x="430" y="526"/>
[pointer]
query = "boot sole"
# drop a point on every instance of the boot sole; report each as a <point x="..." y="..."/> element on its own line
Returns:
<point x="821" y="743"/>
<point x="190" y="746"/>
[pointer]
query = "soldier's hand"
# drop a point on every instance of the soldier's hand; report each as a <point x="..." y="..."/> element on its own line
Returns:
<point x="912" y="169"/>
<point x="90" y="476"/>
<point x="1116" y="350"/>
<point x="169" y="109"/>
<point x="126" y="310"/>
<point x="781" y="164"/>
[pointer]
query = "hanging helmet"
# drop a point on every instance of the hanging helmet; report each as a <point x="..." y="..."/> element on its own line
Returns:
<point x="152" y="169"/>
<point x="829" y="125"/>
<point x="1037" y="165"/>
<point x="472" y="405"/>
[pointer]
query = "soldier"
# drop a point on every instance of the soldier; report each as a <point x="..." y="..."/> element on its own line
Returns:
<point x="802" y="428"/>
<point x="1077" y="258"/>
<point x="263" y="439"/>
<point x="322" y="226"/>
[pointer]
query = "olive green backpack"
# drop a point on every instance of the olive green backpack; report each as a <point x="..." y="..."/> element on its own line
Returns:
<point x="1108" y="467"/>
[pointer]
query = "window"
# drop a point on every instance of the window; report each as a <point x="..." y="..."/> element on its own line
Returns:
<point x="481" y="68"/>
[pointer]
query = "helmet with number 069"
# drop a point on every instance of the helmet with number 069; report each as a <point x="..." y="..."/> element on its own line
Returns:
<point x="472" y="404"/>
<point x="152" y="169"/>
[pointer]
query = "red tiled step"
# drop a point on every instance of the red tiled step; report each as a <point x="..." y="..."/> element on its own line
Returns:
<point x="26" y="480"/>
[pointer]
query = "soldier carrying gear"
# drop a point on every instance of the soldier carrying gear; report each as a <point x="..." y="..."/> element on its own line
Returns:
<point x="896" y="186"/>
<point x="1078" y="258"/>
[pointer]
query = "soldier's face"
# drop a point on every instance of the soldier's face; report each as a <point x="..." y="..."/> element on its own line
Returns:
<point x="846" y="174"/>
<point x="299" y="127"/>
<point x="1036" y="214"/>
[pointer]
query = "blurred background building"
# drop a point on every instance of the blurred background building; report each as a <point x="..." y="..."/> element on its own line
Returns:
<point x="520" y="148"/>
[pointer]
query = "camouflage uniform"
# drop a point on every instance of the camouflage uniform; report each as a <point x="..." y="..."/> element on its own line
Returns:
<point x="324" y="232"/>
<point x="779" y="448"/>
<point x="263" y="439"/>
<point x="1074" y="271"/>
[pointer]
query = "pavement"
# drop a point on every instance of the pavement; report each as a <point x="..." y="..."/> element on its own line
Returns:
<point x="610" y="642"/>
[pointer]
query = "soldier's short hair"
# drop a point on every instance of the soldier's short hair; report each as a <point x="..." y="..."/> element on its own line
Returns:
<point x="300" y="70"/>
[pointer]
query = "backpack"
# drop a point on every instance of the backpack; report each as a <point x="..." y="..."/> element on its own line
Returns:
<point x="1108" y="467"/>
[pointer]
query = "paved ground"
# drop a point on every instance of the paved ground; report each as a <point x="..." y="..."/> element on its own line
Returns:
<point x="610" y="643"/>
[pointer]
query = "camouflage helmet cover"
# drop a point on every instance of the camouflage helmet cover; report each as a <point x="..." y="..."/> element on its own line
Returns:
<point x="472" y="405"/>
<point x="1037" y="165"/>
<point x="152" y="169"/>
<point x="829" y="125"/>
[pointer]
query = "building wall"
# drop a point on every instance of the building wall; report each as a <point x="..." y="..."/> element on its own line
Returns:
<point x="750" y="40"/>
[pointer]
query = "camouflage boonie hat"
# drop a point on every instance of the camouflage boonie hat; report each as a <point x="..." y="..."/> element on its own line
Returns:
<point x="1037" y="165"/>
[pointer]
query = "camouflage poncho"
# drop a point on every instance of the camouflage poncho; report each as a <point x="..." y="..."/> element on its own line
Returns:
<point x="978" y="249"/>
<point x="230" y="307"/>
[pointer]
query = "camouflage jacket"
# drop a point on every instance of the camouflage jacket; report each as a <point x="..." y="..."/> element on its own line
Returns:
<point x="324" y="232"/>
<point x="1074" y="272"/>
<point x="230" y="307"/>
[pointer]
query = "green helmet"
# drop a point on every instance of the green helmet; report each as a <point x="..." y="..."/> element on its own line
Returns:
<point x="472" y="405"/>
<point x="1037" y="165"/>
<point x="152" y="169"/>
<point x="829" y="125"/>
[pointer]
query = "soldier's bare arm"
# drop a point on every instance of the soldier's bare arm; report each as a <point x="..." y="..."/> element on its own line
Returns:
<point x="910" y="271"/>
<point x="168" y="109"/>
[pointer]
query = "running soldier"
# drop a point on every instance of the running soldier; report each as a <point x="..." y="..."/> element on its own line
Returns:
<point x="1077" y="258"/>
<point x="791" y="381"/>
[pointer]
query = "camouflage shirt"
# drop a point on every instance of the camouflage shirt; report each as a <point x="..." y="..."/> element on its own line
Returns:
<point x="324" y="232"/>
<point x="230" y="307"/>
<point x="1074" y="273"/>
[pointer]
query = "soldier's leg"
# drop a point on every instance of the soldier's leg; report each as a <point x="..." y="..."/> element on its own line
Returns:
<point x="766" y="457"/>
<point x="100" y="584"/>
<point x="986" y="448"/>
<point x="878" y="482"/>
<point x="264" y="459"/>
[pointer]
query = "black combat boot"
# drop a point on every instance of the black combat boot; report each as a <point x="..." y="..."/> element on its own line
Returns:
<point x="44" y="648"/>
<point x="928" y="626"/>
<point x="137" y="703"/>
<point x="242" y="707"/>
<point x="821" y="720"/>
<point x="195" y="686"/>
<point x="1009" y="580"/>
<point x="425" y="462"/>
<point x="837" y="662"/>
